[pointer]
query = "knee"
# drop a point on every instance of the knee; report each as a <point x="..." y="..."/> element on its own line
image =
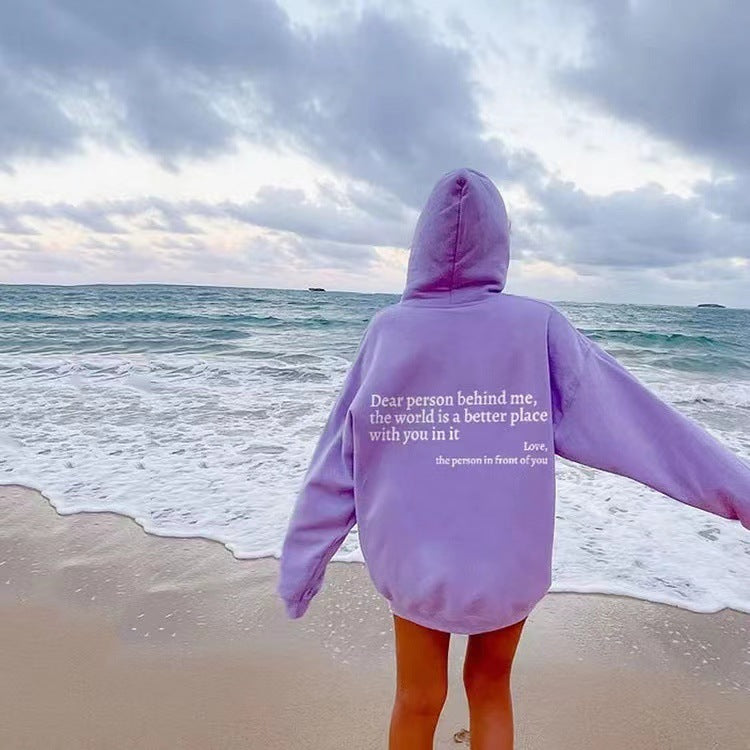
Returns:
<point x="486" y="679"/>
<point x="422" y="700"/>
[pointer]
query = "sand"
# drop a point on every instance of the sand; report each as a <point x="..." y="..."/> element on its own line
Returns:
<point x="113" y="638"/>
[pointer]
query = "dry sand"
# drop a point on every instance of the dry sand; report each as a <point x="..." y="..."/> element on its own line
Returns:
<point x="112" y="638"/>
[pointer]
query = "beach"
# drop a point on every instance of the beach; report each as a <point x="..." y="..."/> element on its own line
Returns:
<point x="453" y="295"/>
<point x="114" y="638"/>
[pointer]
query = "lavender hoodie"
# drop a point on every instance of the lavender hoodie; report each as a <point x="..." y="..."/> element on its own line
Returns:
<point x="441" y="444"/>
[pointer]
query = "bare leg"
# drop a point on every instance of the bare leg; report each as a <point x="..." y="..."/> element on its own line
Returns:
<point x="487" y="667"/>
<point x="421" y="684"/>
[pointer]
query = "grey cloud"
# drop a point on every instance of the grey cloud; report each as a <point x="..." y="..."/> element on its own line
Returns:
<point x="11" y="221"/>
<point x="323" y="253"/>
<point x="377" y="97"/>
<point x="106" y="244"/>
<point x="271" y="254"/>
<point x="638" y="229"/>
<point x="170" y="117"/>
<point x="88" y="215"/>
<point x="75" y="36"/>
<point x="336" y="220"/>
<point x="162" y="216"/>
<point x="729" y="197"/>
<point x="644" y="228"/>
<point x="300" y="235"/>
<point x="681" y="69"/>
<point x="18" y="257"/>
<point x="340" y="218"/>
<point x="383" y="102"/>
<point x="392" y="105"/>
<point x="155" y="66"/>
<point x="376" y="202"/>
<point x="31" y="121"/>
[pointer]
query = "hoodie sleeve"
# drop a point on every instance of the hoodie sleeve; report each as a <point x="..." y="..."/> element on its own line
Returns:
<point x="604" y="417"/>
<point x="323" y="513"/>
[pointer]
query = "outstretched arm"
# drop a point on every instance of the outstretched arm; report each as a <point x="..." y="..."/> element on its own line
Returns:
<point x="324" y="510"/>
<point x="606" y="418"/>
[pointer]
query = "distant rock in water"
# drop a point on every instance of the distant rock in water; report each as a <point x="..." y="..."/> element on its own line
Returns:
<point x="711" y="304"/>
<point x="315" y="289"/>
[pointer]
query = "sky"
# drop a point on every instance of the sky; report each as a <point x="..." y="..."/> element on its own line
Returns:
<point x="282" y="143"/>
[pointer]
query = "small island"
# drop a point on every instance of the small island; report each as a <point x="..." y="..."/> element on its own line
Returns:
<point x="315" y="289"/>
<point x="711" y="304"/>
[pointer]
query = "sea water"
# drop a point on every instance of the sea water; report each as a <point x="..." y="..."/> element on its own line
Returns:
<point x="194" y="410"/>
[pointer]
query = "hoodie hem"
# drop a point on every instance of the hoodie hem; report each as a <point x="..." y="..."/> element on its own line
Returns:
<point x="467" y="625"/>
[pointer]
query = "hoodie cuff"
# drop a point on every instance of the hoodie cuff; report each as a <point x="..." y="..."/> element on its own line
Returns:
<point x="295" y="608"/>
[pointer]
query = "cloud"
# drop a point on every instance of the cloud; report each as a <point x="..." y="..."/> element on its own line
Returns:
<point x="385" y="104"/>
<point x="350" y="217"/>
<point x="338" y="218"/>
<point x="19" y="257"/>
<point x="267" y="259"/>
<point x="31" y="121"/>
<point x="379" y="98"/>
<point x="647" y="228"/>
<point x="283" y="236"/>
<point x="150" y="70"/>
<point x="729" y="197"/>
<point x="11" y="221"/>
<point x="680" y="69"/>
<point x="394" y="106"/>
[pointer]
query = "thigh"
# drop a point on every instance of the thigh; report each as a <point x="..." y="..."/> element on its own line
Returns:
<point x="421" y="655"/>
<point x="494" y="651"/>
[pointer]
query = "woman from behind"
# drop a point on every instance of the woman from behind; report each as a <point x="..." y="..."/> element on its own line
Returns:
<point x="440" y="446"/>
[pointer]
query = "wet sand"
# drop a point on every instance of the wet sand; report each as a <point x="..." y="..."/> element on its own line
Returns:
<point x="113" y="638"/>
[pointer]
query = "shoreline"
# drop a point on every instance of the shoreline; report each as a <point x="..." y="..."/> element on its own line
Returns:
<point x="115" y="637"/>
<point x="346" y="560"/>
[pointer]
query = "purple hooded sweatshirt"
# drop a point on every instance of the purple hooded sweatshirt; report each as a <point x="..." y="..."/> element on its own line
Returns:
<point x="441" y="444"/>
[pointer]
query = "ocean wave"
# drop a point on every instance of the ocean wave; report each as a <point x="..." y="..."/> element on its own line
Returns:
<point x="660" y="341"/>
<point x="713" y="402"/>
<point x="715" y="363"/>
<point x="71" y="321"/>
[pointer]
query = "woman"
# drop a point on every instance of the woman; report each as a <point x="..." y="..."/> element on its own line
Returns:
<point x="441" y="448"/>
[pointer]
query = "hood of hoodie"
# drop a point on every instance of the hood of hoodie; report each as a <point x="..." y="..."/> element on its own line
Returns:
<point x="460" y="249"/>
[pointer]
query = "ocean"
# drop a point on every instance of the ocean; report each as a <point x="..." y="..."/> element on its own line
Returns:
<point x="194" y="411"/>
